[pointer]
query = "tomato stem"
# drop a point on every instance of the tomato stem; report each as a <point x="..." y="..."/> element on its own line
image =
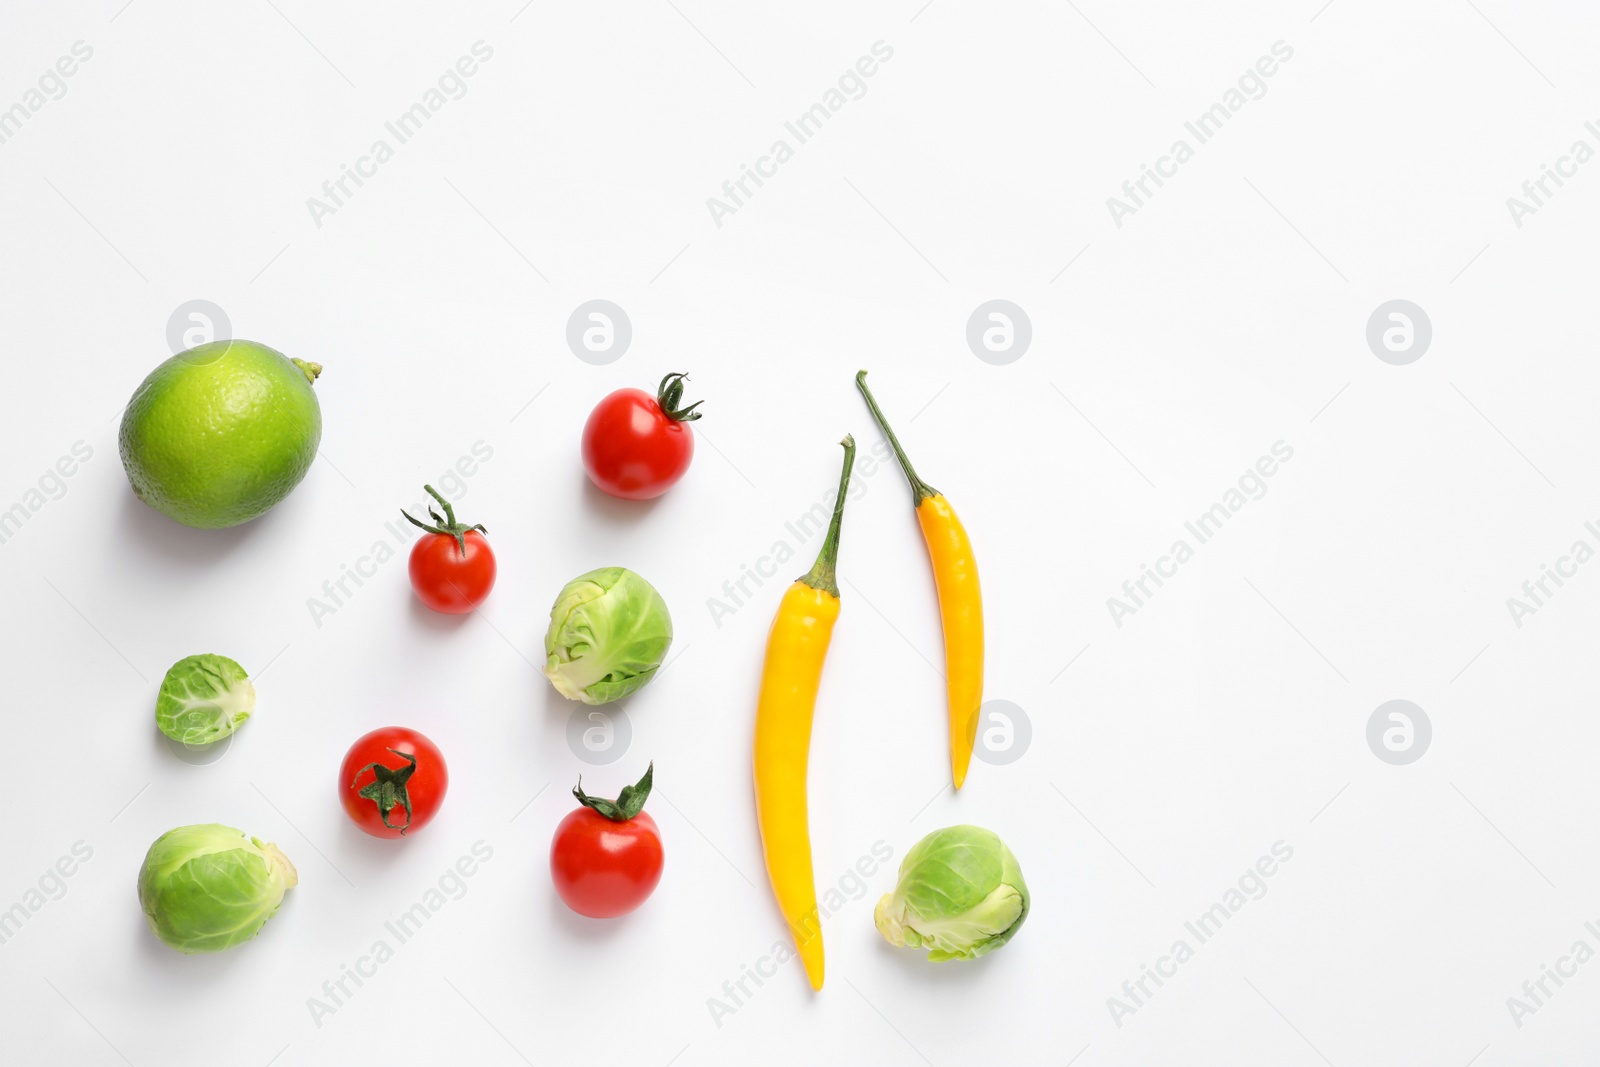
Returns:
<point x="822" y="574"/>
<point x="920" y="490"/>
<point x="447" y="526"/>
<point x="388" y="788"/>
<point x="629" y="802"/>
<point x="669" y="394"/>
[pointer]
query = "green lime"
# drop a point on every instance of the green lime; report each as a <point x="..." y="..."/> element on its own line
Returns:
<point x="219" y="434"/>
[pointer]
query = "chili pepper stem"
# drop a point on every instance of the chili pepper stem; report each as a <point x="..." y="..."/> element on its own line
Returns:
<point x="920" y="490"/>
<point x="822" y="574"/>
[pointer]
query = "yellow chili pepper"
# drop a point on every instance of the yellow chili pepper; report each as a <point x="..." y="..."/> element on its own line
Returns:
<point x="796" y="648"/>
<point x="955" y="573"/>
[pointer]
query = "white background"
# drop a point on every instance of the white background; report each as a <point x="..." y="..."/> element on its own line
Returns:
<point x="1168" y="754"/>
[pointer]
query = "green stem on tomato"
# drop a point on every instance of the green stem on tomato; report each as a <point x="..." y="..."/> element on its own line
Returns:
<point x="629" y="802"/>
<point x="388" y="788"/>
<point x="447" y="526"/>
<point x="669" y="394"/>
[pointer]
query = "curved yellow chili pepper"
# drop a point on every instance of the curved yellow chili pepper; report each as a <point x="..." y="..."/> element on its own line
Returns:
<point x="955" y="574"/>
<point x="796" y="648"/>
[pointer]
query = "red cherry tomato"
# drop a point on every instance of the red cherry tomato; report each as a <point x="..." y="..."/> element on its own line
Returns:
<point x="636" y="446"/>
<point x="452" y="566"/>
<point x="447" y="580"/>
<point x="392" y="782"/>
<point x="606" y="858"/>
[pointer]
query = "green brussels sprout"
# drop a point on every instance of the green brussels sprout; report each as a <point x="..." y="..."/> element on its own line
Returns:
<point x="206" y="888"/>
<point x="960" y="895"/>
<point x="609" y="632"/>
<point x="204" y="699"/>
